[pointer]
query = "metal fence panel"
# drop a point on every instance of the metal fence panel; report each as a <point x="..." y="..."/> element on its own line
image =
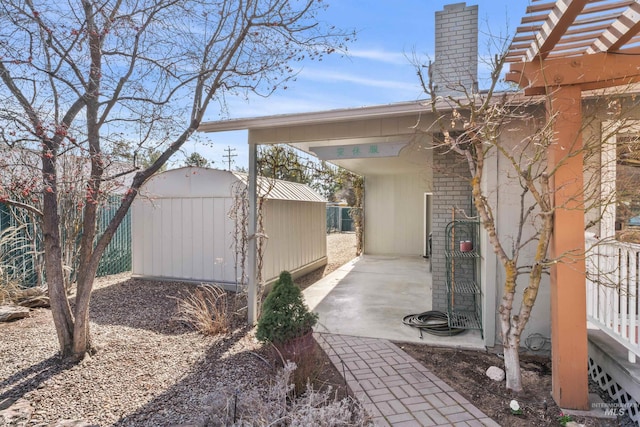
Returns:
<point x="347" y="221"/>
<point x="339" y="219"/>
<point x="21" y="245"/>
<point x="333" y="219"/>
<point x="117" y="255"/>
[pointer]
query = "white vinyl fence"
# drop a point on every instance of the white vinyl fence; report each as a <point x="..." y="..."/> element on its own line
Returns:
<point x="612" y="290"/>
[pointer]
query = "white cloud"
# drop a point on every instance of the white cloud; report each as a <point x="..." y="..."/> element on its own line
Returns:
<point x="395" y="58"/>
<point x="336" y="77"/>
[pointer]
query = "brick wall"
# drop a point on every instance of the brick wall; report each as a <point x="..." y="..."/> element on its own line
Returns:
<point x="451" y="190"/>
<point x="456" y="58"/>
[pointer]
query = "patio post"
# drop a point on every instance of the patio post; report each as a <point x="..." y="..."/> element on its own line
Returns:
<point x="252" y="291"/>
<point x="569" y="351"/>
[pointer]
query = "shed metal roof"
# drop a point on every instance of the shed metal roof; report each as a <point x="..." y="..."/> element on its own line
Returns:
<point x="276" y="189"/>
<point x="193" y="181"/>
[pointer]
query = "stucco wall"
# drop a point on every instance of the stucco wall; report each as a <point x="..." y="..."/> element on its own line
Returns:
<point x="507" y="197"/>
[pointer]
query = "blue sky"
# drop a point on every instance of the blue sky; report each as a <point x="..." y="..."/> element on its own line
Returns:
<point x="376" y="71"/>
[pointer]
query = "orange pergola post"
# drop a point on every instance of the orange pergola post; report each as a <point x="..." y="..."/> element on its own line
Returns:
<point x="569" y="351"/>
<point x="563" y="80"/>
<point x="552" y="56"/>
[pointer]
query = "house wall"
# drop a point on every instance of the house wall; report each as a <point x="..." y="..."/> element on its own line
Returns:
<point x="507" y="196"/>
<point x="600" y="129"/>
<point x="394" y="212"/>
<point x="453" y="192"/>
<point x="181" y="230"/>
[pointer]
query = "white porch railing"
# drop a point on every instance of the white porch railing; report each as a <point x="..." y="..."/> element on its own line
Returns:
<point x="613" y="279"/>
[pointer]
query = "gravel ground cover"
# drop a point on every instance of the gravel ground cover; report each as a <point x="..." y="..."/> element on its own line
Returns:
<point x="341" y="248"/>
<point x="148" y="370"/>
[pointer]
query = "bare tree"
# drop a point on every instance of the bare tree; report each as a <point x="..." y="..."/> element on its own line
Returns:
<point x="480" y="127"/>
<point x="94" y="78"/>
<point x="473" y="131"/>
<point x="283" y="162"/>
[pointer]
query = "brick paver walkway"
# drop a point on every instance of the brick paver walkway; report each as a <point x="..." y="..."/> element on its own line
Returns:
<point x="394" y="388"/>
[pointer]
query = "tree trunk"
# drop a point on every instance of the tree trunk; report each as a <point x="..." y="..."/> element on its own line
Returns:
<point x="86" y="270"/>
<point x="510" y="343"/>
<point x="512" y="364"/>
<point x="81" y="334"/>
<point x="510" y="333"/>
<point x="60" y="309"/>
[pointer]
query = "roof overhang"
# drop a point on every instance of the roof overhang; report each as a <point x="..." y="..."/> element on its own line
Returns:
<point x="316" y="117"/>
<point x="371" y="140"/>
<point x="341" y="133"/>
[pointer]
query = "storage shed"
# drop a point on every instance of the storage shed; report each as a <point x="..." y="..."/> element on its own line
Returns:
<point x="183" y="227"/>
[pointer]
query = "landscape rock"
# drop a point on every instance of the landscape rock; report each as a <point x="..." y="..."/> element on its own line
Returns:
<point x="18" y="414"/>
<point x="495" y="373"/>
<point x="74" y="423"/>
<point x="9" y="313"/>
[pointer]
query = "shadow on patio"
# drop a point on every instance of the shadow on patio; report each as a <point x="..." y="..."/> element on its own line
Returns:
<point x="370" y="295"/>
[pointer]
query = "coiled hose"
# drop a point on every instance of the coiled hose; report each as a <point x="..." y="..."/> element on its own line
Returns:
<point x="433" y="322"/>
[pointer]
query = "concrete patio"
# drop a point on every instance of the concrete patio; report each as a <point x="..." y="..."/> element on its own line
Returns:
<point x="370" y="295"/>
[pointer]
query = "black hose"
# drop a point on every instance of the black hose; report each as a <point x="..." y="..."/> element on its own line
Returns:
<point x="433" y="322"/>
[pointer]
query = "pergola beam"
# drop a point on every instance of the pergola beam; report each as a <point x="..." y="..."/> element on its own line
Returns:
<point x="595" y="71"/>
<point x="555" y="26"/>
<point x="619" y="32"/>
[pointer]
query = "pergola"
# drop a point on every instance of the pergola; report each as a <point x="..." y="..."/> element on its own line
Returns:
<point x="562" y="49"/>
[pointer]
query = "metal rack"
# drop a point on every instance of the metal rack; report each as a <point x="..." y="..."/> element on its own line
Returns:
<point x="464" y="305"/>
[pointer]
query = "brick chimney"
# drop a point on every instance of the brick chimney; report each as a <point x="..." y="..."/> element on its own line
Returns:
<point x="455" y="69"/>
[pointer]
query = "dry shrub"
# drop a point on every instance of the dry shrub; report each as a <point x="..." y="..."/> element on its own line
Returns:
<point x="304" y="353"/>
<point x="11" y="293"/>
<point x="277" y="406"/>
<point x="205" y="309"/>
<point x="8" y="291"/>
<point x="11" y="247"/>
